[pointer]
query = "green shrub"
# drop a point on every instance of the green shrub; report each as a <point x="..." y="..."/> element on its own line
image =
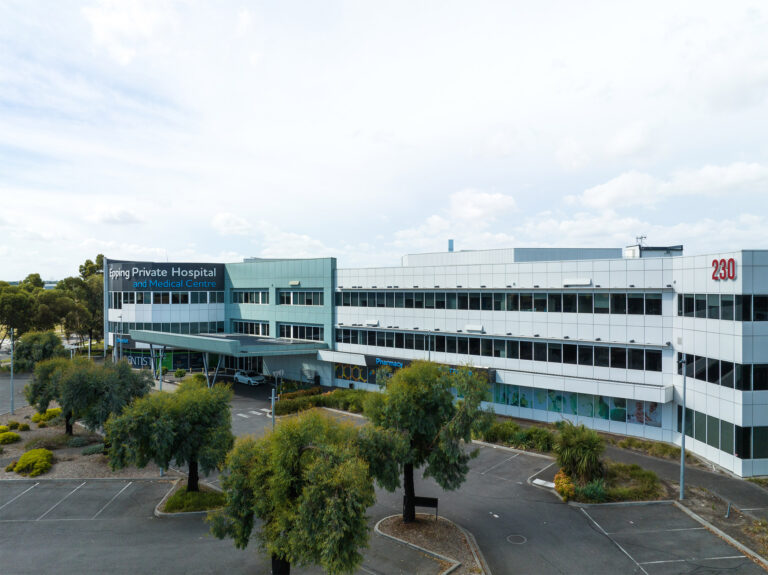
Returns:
<point x="52" y="443"/>
<point x="42" y="424"/>
<point x="49" y="414"/>
<point x="540" y="439"/>
<point x="4" y="428"/>
<point x="93" y="449"/>
<point x="592" y="492"/>
<point x="9" y="437"/>
<point x="78" y="442"/>
<point x="179" y="373"/>
<point x="10" y="466"/>
<point x="185" y="501"/>
<point x="13" y="424"/>
<point x="302" y="393"/>
<point x="344" y="399"/>
<point x="163" y="370"/>
<point x="34" y="463"/>
<point x="24" y="427"/>
<point x="501" y="432"/>
<point x="631" y="483"/>
<point x="578" y="451"/>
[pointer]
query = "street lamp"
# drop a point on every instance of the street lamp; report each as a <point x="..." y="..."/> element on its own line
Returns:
<point x="682" y="362"/>
<point x="11" y="371"/>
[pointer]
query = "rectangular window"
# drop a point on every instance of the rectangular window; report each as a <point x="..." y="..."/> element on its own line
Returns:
<point x="399" y="299"/>
<point x="713" y="306"/>
<point x="399" y="340"/>
<point x="700" y="368"/>
<point x="474" y="346"/>
<point x="743" y="448"/>
<point x="526" y="350"/>
<point x="701" y="305"/>
<point x="555" y="354"/>
<point x="585" y="303"/>
<point x="636" y="359"/>
<point x="570" y="353"/>
<point x="585" y="355"/>
<point x="419" y="342"/>
<point x="726" y="307"/>
<point x="652" y="360"/>
<point x="429" y="300"/>
<point x="679" y="305"/>
<point x="450" y="344"/>
<point x="362" y="299"/>
<point x="474" y="301"/>
<point x="463" y="299"/>
<point x="726" y="374"/>
<point x="618" y="357"/>
<point x="486" y="347"/>
<point x="635" y="304"/>
<point x="618" y="303"/>
<point x="462" y="345"/>
<point x="513" y="349"/>
<point x="499" y="348"/>
<point x="450" y="301"/>
<point x="409" y="299"/>
<point x="555" y="302"/>
<point x="713" y="431"/>
<point x="726" y="437"/>
<point x="743" y="377"/>
<point x="760" y="377"/>
<point x="759" y="442"/>
<point x="539" y="351"/>
<point x="157" y="298"/>
<point x="486" y="302"/>
<point x="408" y="341"/>
<point x="602" y="303"/>
<point x="690" y="361"/>
<point x="569" y="303"/>
<point x="540" y="302"/>
<point x="513" y="302"/>
<point x="760" y="310"/>
<point x="526" y="302"/>
<point x="744" y="307"/>
<point x="602" y="356"/>
<point x="653" y="304"/>
<point x="418" y="300"/>
<point x="713" y="370"/>
<point x="690" y="310"/>
<point x="498" y="302"/>
<point x="689" y="422"/>
<point x="700" y="426"/>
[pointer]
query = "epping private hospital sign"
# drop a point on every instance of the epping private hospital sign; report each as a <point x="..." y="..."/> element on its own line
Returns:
<point x="151" y="276"/>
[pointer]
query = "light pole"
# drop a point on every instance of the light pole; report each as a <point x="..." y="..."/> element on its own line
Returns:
<point x="120" y="339"/>
<point x="11" y="370"/>
<point x="682" y="361"/>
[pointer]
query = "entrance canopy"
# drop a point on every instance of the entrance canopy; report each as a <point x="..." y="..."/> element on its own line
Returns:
<point x="233" y="344"/>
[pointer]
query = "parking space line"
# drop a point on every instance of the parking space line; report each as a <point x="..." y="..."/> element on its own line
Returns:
<point x="242" y="415"/>
<point x="613" y="541"/>
<point x="19" y="495"/>
<point x="500" y="463"/>
<point x="693" y="559"/>
<point x="255" y="413"/>
<point x="111" y="500"/>
<point x="60" y="501"/>
<point x="265" y="409"/>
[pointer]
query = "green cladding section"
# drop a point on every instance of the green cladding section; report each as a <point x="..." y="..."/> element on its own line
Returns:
<point x="274" y="276"/>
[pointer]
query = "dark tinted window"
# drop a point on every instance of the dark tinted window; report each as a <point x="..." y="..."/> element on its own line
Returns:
<point x="713" y="370"/>
<point x="743" y="311"/>
<point x="555" y="352"/>
<point x="679" y="304"/>
<point x="713" y="306"/>
<point x="555" y="302"/>
<point x="701" y="305"/>
<point x="636" y="359"/>
<point x="513" y="349"/>
<point x="743" y="377"/>
<point x="570" y="353"/>
<point x="653" y="304"/>
<point x="585" y="303"/>
<point x="618" y="303"/>
<point x="760" y="310"/>
<point x="618" y="357"/>
<point x="513" y="302"/>
<point x="540" y="351"/>
<point x="602" y="303"/>
<point x="602" y="357"/>
<point x="635" y="304"/>
<point x="743" y="448"/>
<point x="526" y="350"/>
<point x="652" y="360"/>
<point x="700" y="368"/>
<point x="726" y="374"/>
<point x="526" y="302"/>
<point x="760" y="377"/>
<point x="689" y="306"/>
<point x="726" y="307"/>
<point x="585" y="355"/>
<point x="569" y="303"/>
<point x="540" y="302"/>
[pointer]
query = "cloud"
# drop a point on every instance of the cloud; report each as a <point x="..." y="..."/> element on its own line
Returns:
<point x="641" y="189"/>
<point x="114" y="216"/>
<point x="479" y="206"/>
<point x="231" y="225"/>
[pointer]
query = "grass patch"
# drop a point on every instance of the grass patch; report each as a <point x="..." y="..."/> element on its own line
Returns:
<point x="626" y="482"/>
<point x="654" y="448"/>
<point x="185" y="501"/>
<point x="759" y="529"/>
<point x="95" y="449"/>
<point x="761" y="481"/>
<point x="53" y="442"/>
<point x="344" y="399"/>
<point x="511" y="434"/>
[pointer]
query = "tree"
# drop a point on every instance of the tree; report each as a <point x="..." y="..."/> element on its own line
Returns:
<point x="578" y="451"/>
<point x="84" y="390"/>
<point x="310" y="482"/>
<point x="36" y="346"/>
<point x="190" y="426"/>
<point x="32" y="282"/>
<point x="87" y="315"/>
<point x="52" y="307"/>
<point x="419" y="401"/>
<point x="90" y="268"/>
<point x="17" y="308"/>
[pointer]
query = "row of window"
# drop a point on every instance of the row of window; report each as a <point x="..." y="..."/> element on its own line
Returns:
<point x="251" y="327"/>
<point x="583" y="404"/>
<point x="301" y="331"/>
<point x="743" y="442"/>
<point x="722" y="306"/>
<point x="252" y="296"/>
<point x="557" y="302"/>
<point x="574" y="354"/>
<point x="193" y="328"/>
<point x="300" y="297"/>
<point x="744" y="377"/>
<point x="117" y="299"/>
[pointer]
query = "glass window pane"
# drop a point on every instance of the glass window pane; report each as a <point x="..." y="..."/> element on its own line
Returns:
<point x="540" y="399"/>
<point x="585" y="303"/>
<point x="463" y="300"/>
<point x="526" y="350"/>
<point x="618" y="357"/>
<point x="498" y="302"/>
<point x="713" y="431"/>
<point x="713" y="370"/>
<point x="679" y="304"/>
<point x="585" y="355"/>
<point x="602" y="410"/>
<point x="450" y="301"/>
<point x="726" y="374"/>
<point x="760" y="308"/>
<point x="429" y="300"/>
<point x="586" y="405"/>
<point x="602" y="304"/>
<point x="474" y="300"/>
<point x="555" y="354"/>
<point x="526" y="302"/>
<point x="726" y="307"/>
<point x="760" y="377"/>
<point x="602" y="356"/>
<point x="618" y="303"/>
<point x="554" y="401"/>
<point x="569" y="303"/>
<point x="653" y="414"/>
<point x="540" y="302"/>
<point x="486" y="347"/>
<point x="539" y="351"/>
<point x="499" y="348"/>
<point x="513" y="302"/>
<point x="513" y="349"/>
<point x="689" y="306"/>
<point x="726" y="437"/>
<point x="570" y="353"/>
<point x="653" y="304"/>
<point x="554" y="302"/>
<point x="635" y="304"/>
<point x="759" y="442"/>
<point x="701" y="305"/>
<point x="700" y="368"/>
<point x="743" y="448"/>
<point x="636" y="359"/>
<point x="618" y="409"/>
<point x="700" y="426"/>
<point x="652" y="360"/>
<point x="486" y="301"/>
<point x="713" y="306"/>
<point x="526" y="397"/>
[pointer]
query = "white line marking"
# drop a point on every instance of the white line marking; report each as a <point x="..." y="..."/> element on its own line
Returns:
<point x="60" y="500"/>
<point x="265" y="409"/>
<point x="111" y="500"/>
<point x="500" y="463"/>
<point x="242" y="415"/>
<point x="255" y="412"/>
<point x="694" y="559"/>
<point x="614" y="541"/>
<point x="752" y="508"/>
<point x="19" y="495"/>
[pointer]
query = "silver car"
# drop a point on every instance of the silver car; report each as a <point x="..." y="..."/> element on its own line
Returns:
<point x="249" y="378"/>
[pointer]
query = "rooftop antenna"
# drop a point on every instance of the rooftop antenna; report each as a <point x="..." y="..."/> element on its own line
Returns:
<point x="640" y="239"/>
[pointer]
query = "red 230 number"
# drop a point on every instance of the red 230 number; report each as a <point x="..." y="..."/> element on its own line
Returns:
<point x="724" y="269"/>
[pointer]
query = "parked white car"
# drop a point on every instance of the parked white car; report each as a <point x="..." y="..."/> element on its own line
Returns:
<point x="249" y="378"/>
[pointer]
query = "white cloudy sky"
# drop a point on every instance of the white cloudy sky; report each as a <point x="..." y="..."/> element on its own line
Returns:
<point x="365" y="130"/>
